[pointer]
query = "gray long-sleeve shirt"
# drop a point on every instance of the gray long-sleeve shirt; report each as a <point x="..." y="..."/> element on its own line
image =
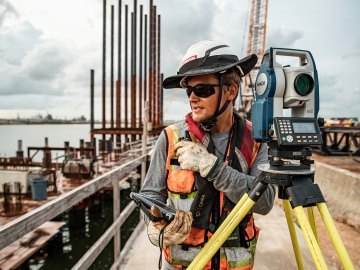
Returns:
<point x="226" y="179"/>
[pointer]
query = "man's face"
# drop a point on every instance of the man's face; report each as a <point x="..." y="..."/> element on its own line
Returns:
<point x="203" y="108"/>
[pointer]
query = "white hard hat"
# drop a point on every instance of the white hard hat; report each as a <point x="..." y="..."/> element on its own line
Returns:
<point x="208" y="57"/>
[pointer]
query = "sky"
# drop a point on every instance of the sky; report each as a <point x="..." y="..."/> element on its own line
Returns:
<point x="47" y="49"/>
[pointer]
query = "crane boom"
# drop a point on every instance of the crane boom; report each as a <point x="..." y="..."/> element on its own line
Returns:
<point x="256" y="39"/>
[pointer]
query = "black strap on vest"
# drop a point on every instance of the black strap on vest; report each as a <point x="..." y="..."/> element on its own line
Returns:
<point x="239" y="127"/>
<point x="207" y="200"/>
<point x="203" y="204"/>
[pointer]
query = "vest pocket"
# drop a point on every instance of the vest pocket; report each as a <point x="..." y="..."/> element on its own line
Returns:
<point x="181" y="181"/>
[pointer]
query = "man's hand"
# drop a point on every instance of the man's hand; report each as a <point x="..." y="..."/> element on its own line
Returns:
<point x="194" y="156"/>
<point x="174" y="233"/>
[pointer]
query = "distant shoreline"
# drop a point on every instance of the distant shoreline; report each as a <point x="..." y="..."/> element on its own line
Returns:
<point x="44" y="121"/>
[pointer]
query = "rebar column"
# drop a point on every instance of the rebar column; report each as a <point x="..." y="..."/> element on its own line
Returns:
<point x="118" y="82"/>
<point x="140" y="66"/>
<point x="47" y="155"/>
<point x="153" y="80"/>
<point x="158" y="107"/>
<point x="138" y="77"/>
<point x="126" y="66"/>
<point x="112" y="69"/>
<point x="92" y="93"/>
<point x="145" y="60"/>
<point x="161" y="100"/>
<point x="134" y="124"/>
<point x="104" y="70"/>
<point x="151" y="103"/>
<point x="133" y="75"/>
<point x="20" y="152"/>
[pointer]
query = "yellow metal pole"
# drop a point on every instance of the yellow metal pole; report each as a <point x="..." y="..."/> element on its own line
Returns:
<point x="335" y="237"/>
<point x="312" y="221"/>
<point x="310" y="238"/>
<point x="293" y="235"/>
<point x="222" y="233"/>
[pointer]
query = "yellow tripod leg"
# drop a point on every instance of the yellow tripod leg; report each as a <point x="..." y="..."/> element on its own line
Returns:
<point x="293" y="235"/>
<point x="334" y="235"/>
<point x="310" y="238"/>
<point x="311" y="218"/>
<point x="222" y="233"/>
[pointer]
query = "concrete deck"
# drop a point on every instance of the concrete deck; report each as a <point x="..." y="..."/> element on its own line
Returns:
<point x="339" y="180"/>
<point x="274" y="250"/>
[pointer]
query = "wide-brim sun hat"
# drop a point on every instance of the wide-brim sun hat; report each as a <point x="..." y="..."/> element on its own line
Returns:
<point x="208" y="57"/>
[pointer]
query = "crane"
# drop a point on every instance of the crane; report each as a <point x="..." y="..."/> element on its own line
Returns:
<point x="256" y="38"/>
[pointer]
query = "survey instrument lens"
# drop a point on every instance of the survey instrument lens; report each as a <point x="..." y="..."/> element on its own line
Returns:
<point x="303" y="84"/>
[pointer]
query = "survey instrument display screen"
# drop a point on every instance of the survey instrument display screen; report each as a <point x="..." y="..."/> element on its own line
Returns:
<point x="301" y="127"/>
<point x="297" y="131"/>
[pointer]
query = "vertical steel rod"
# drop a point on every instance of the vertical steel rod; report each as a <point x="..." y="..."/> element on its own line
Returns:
<point x="112" y="69"/>
<point x="140" y="66"/>
<point x="126" y="66"/>
<point x="118" y="83"/>
<point x="158" y="73"/>
<point x="104" y="70"/>
<point x="161" y="100"/>
<point x="145" y="60"/>
<point x="138" y="78"/>
<point x="150" y="61"/>
<point x="91" y="104"/>
<point x="135" y="64"/>
<point x="153" y="80"/>
<point x="133" y="91"/>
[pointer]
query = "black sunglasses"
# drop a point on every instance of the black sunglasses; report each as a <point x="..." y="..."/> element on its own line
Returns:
<point x="201" y="90"/>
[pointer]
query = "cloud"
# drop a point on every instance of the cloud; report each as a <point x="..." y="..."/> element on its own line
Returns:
<point x="17" y="41"/>
<point x="283" y="37"/>
<point x="176" y="104"/>
<point x="31" y="63"/>
<point x="231" y="30"/>
<point x="33" y="101"/>
<point x="58" y="106"/>
<point x="352" y="54"/>
<point x="183" y="25"/>
<point x="39" y="70"/>
<point x="335" y="99"/>
<point x="44" y="53"/>
<point x="47" y="60"/>
<point x="6" y="10"/>
<point x="18" y="85"/>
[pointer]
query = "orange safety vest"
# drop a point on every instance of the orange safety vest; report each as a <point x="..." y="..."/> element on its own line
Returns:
<point x="182" y="191"/>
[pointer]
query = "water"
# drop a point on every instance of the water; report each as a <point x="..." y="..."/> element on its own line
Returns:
<point x="34" y="135"/>
<point x="83" y="226"/>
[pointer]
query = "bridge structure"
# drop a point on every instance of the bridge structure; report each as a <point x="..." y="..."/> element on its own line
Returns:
<point x="136" y="160"/>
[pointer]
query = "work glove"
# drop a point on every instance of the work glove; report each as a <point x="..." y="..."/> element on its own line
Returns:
<point x="194" y="156"/>
<point x="173" y="233"/>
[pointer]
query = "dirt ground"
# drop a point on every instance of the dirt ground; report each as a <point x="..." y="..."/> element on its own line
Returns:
<point x="344" y="162"/>
<point x="350" y="237"/>
<point x="348" y="234"/>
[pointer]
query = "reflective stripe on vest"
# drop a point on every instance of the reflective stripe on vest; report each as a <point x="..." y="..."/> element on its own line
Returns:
<point x="231" y="258"/>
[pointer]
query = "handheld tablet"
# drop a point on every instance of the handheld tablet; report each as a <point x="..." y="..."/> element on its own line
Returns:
<point x="145" y="203"/>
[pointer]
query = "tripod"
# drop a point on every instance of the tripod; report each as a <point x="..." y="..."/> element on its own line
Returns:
<point x="298" y="191"/>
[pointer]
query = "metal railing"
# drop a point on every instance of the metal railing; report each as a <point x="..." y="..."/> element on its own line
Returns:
<point x="24" y="224"/>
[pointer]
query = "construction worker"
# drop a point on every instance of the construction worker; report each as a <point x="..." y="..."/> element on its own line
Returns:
<point x="203" y="165"/>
